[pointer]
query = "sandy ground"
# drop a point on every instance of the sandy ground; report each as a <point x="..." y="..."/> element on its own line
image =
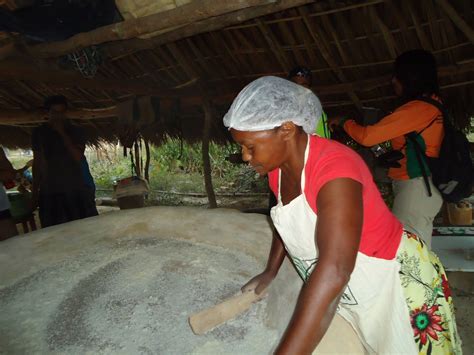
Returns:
<point x="464" y="304"/>
<point x="136" y="302"/>
<point x="462" y="285"/>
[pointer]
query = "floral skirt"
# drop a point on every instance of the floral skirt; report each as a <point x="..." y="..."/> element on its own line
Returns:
<point x="428" y="297"/>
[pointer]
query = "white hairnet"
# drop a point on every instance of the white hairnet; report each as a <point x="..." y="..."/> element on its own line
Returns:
<point x="268" y="102"/>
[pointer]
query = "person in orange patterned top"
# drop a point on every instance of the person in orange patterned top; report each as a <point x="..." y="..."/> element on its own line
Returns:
<point x="415" y="76"/>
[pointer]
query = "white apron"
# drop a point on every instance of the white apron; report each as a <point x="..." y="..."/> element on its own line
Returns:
<point x="373" y="301"/>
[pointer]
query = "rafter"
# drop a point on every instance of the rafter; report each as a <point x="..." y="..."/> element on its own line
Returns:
<point x="273" y="45"/>
<point x="425" y="43"/>
<point x="12" y="117"/>
<point x="387" y="35"/>
<point x="327" y="55"/>
<point x="119" y="49"/>
<point x="12" y="70"/>
<point x="457" y="19"/>
<point x="132" y="28"/>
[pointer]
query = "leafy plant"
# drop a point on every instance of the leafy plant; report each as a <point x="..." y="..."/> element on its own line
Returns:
<point x="177" y="166"/>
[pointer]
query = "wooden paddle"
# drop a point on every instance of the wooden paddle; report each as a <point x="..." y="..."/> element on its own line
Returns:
<point x="209" y="318"/>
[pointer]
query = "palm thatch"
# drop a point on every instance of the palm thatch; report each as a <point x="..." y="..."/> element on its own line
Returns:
<point x="350" y="47"/>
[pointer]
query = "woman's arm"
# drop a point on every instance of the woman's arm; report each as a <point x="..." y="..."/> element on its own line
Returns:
<point x="275" y="259"/>
<point x="410" y="117"/>
<point x="338" y="230"/>
<point x="277" y="254"/>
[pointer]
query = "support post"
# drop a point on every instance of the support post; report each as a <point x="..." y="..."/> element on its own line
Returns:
<point x="138" y="169"/>
<point x="205" y="154"/>
<point x="147" y="161"/>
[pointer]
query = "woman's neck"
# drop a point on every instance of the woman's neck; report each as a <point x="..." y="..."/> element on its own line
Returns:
<point x="294" y="164"/>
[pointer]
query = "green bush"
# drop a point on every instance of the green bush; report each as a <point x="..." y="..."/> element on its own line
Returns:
<point x="177" y="166"/>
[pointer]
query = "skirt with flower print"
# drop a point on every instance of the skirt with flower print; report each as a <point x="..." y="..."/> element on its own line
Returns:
<point x="428" y="296"/>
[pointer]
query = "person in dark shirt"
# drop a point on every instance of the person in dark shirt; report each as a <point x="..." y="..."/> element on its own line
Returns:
<point x="59" y="188"/>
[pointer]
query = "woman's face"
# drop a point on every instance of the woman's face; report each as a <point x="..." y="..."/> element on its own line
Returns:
<point x="264" y="151"/>
<point x="397" y="86"/>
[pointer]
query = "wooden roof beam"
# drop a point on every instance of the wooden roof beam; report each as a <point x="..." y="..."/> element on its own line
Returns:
<point x="315" y="14"/>
<point x="387" y="35"/>
<point x="327" y="55"/>
<point x="457" y="19"/>
<point x="192" y="27"/>
<point x="182" y="15"/>
<point x="273" y="45"/>
<point x="13" y="70"/>
<point x="392" y="8"/>
<point x="14" y="117"/>
<point x="425" y="43"/>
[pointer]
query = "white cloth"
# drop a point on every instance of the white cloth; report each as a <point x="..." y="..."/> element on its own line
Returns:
<point x="373" y="301"/>
<point x="4" y="202"/>
<point x="414" y="208"/>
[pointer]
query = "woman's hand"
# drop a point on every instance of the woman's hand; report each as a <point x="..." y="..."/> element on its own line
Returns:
<point x="275" y="259"/>
<point x="259" y="282"/>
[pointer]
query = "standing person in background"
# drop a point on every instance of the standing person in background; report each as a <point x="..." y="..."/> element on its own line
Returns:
<point x="7" y="173"/>
<point x="89" y="184"/>
<point x="302" y="76"/>
<point x="415" y="78"/>
<point x="60" y="189"/>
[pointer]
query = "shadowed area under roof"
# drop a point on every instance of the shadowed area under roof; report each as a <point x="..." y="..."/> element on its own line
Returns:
<point x="349" y="46"/>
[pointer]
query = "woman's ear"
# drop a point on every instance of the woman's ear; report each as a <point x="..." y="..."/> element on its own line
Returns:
<point x="288" y="130"/>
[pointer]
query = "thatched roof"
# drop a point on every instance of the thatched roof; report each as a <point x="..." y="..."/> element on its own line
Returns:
<point x="214" y="48"/>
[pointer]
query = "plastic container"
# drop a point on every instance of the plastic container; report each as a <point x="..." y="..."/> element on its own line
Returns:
<point x="19" y="204"/>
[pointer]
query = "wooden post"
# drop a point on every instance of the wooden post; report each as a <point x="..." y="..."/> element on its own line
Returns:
<point x="138" y="169"/>
<point x="205" y="154"/>
<point x="147" y="161"/>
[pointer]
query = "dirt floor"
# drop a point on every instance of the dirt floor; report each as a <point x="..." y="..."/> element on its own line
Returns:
<point x="126" y="282"/>
<point x="137" y="303"/>
<point x="462" y="284"/>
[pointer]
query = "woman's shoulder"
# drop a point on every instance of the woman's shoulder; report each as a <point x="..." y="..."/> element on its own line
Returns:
<point x="322" y="149"/>
<point x="331" y="159"/>
<point x="418" y="107"/>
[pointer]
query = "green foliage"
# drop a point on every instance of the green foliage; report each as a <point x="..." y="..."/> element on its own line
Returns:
<point x="177" y="167"/>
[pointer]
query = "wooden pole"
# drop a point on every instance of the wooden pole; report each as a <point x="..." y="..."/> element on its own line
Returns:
<point x="205" y="154"/>
<point x="457" y="19"/>
<point x="14" y="117"/>
<point x="30" y="72"/>
<point x="138" y="169"/>
<point x="147" y="161"/>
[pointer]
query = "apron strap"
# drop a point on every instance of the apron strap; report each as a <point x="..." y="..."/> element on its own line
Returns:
<point x="306" y="154"/>
<point x="303" y="175"/>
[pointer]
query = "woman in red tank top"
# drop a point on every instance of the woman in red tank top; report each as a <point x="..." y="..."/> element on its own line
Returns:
<point x="350" y="251"/>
